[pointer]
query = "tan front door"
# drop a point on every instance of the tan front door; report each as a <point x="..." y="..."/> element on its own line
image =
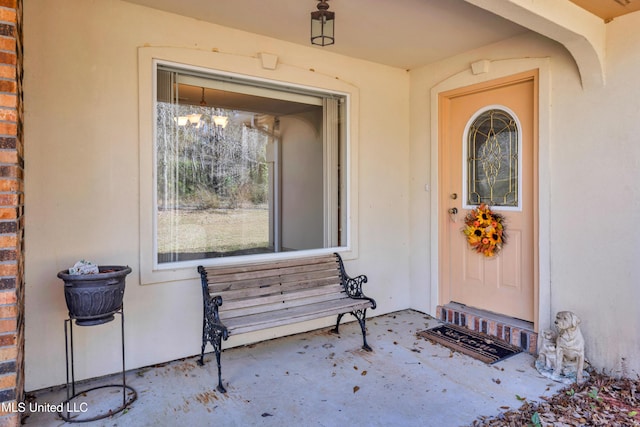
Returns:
<point x="488" y="146"/>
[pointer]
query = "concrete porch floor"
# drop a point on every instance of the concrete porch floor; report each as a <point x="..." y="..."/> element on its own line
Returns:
<point x="318" y="379"/>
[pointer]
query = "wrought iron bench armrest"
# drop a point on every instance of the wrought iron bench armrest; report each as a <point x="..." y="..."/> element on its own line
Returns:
<point x="353" y="285"/>
<point x="212" y="316"/>
<point x="213" y="330"/>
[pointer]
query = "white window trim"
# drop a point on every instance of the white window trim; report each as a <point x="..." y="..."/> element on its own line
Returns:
<point x="148" y="57"/>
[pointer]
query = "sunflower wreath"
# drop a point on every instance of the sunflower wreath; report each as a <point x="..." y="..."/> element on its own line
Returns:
<point x="485" y="230"/>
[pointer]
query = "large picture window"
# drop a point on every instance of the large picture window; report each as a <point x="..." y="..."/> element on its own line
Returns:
<point x="245" y="167"/>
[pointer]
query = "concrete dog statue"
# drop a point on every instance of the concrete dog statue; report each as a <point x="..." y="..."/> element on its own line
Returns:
<point x="569" y="344"/>
<point x="547" y="354"/>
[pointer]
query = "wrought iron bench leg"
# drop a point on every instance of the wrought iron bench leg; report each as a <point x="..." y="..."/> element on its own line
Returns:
<point x="218" y="350"/>
<point x="336" y="329"/>
<point x="204" y="342"/>
<point x="361" y="315"/>
<point x="214" y="336"/>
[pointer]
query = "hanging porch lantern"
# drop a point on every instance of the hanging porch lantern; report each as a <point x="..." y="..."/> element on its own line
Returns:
<point x="322" y="25"/>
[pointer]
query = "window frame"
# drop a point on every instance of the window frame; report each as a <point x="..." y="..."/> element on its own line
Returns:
<point x="248" y="69"/>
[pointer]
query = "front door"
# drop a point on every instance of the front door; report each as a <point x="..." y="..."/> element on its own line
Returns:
<point x="488" y="144"/>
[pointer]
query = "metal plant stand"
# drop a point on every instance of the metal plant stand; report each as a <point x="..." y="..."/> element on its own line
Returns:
<point x="70" y="407"/>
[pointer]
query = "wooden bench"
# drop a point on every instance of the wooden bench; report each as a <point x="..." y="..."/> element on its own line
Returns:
<point x="265" y="295"/>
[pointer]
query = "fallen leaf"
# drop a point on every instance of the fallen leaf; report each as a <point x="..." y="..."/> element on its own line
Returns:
<point x="355" y="389"/>
<point x="599" y="401"/>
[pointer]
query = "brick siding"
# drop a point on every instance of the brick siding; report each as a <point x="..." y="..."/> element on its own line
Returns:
<point x="527" y="340"/>
<point x="11" y="211"/>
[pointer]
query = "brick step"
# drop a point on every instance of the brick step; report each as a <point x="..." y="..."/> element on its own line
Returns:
<point x="513" y="331"/>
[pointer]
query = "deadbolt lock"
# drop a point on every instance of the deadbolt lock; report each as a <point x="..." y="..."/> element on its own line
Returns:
<point x="454" y="196"/>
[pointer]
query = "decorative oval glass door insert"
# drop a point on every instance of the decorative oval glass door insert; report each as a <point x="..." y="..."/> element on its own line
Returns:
<point x="492" y="149"/>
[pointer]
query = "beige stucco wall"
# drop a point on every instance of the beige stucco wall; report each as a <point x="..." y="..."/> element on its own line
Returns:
<point x="82" y="175"/>
<point x="589" y="189"/>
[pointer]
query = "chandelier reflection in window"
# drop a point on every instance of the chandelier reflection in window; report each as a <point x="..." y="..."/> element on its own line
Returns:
<point x="202" y="120"/>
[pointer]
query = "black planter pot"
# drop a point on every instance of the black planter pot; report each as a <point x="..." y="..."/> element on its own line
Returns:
<point x="92" y="299"/>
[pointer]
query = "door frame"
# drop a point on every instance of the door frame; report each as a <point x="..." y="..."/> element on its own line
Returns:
<point x="488" y="71"/>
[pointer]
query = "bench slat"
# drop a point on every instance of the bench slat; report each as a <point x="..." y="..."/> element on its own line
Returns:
<point x="284" y="299"/>
<point x="219" y="283"/>
<point x="243" y="311"/>
<point x="282" y="317"/>
<point x="327" y="268"/>
<point x="276" y="289"/>
<point x="218" y="288"/>
<point x="270" y="265"/>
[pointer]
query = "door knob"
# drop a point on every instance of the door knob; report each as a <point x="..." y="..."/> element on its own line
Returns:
<point x="453" y="214"/>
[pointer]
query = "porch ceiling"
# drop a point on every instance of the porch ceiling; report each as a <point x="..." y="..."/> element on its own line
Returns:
<point x="401" y="33"/>
<point x="609" y="9"/>
<point x="412" y="33"/>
